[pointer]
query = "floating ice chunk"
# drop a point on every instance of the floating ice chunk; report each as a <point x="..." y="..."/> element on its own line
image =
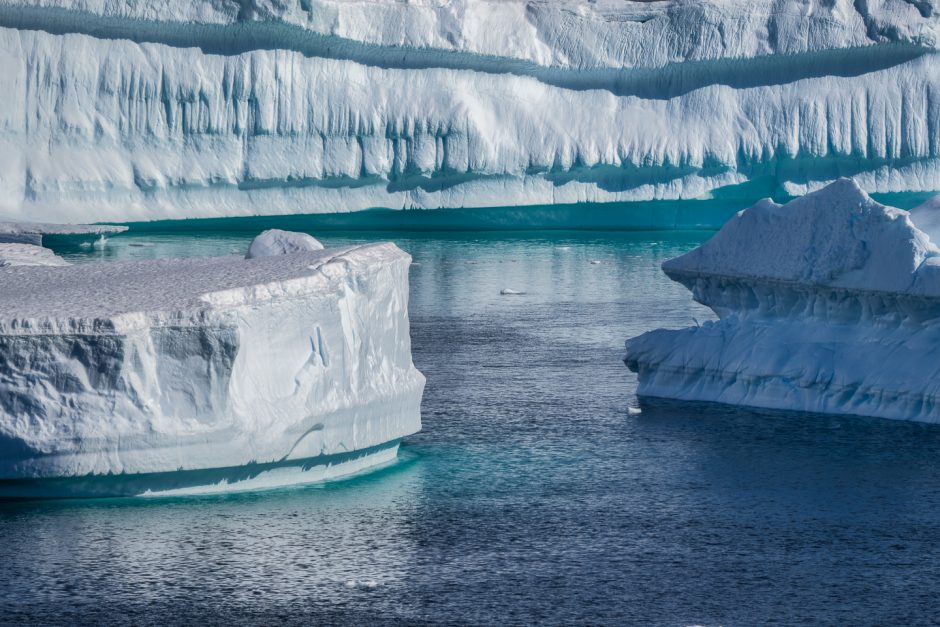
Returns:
<point x="830" y="303"/>
<point x="595" y="262"/>
<point x="28" y="255"/>
<point x="367" y="584"/>
<point x="276" y="242"/>
<point x="201" y="375"/>
<point x="32" y="232"/>
<point x="510" y="292"/>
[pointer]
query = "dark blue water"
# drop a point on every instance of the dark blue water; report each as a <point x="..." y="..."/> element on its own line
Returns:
<point x="533" y="495"/>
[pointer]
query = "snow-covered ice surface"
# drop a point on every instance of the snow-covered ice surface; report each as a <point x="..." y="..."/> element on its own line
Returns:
<point x="204" y="374"/>
<point x="275" y="242"/>
<point x="142" y="111"/>
<point x="28" y="255"/>
<point x="830" y="303"/>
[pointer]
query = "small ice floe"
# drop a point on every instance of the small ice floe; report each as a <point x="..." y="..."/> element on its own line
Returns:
<point x="634" y="411"/>
<point x="563" y="248"/>
<point x="509" y="292"/>
<point x="85" y="245"/>
<point x="362" y="584"/>
<point x="595" y="262"/>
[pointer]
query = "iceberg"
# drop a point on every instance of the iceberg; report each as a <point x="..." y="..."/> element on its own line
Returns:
<point x="828" y="304"/>
<point x="200" y="375"/>
<point x="136" y="111"/>
<point x="275" y="242"/>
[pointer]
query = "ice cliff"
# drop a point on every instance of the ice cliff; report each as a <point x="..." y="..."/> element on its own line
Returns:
<point x="830" y="303"/>
<point x="123" y="110"/>
<point x="154" y="376"/>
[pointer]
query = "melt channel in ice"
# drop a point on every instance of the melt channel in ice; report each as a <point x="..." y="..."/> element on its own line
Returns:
<point x="830" y="303"/>
<point x="195" y="375"/>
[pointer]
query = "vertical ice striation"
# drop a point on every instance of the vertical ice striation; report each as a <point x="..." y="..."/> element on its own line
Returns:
<point x="139" y="111"/>
<point x="203" y="374"/>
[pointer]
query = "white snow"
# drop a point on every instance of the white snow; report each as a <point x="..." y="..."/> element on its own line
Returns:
<point x="143" y="111"/>
<point x="28" y="255"/>
<point x="830" y="303"/>
<point x="276" y="242"/>
<point x="197" y="365"/>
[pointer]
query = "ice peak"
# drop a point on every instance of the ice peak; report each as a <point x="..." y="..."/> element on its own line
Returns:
<point x="837" y="236"/>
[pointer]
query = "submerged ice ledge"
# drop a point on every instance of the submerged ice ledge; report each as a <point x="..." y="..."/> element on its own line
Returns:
<point x="276" y="363"/>
<point x="830" y="303"/>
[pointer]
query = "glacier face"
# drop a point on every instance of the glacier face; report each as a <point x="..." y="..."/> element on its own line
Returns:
<point x="830" y="303"/>
<point x="140" y="111"/>
<point x="166" y="373"/>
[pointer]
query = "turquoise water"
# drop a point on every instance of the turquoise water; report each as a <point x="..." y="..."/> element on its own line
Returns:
<point x="535" y="492"/>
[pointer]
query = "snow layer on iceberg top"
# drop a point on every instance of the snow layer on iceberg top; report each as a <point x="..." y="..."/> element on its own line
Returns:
<point x="28" y="255"/>
<point x="475" y="33"/>
<point x="121" y="295"/>
<point x="836" y="237"/>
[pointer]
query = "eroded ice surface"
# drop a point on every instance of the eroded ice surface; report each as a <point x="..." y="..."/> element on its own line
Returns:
<point x="830" y="303"/>
<point x="141" y="111"/>
<point x="236" y="369"/>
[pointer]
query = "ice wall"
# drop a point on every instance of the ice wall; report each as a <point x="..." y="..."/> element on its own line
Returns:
<point x="140" y="111"/>
<point x="830" y="303"/>
<point x="168" y="373"/>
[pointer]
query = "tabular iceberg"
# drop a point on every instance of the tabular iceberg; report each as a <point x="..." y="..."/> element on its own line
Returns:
<point x="204" y="374"/>
<point x="830" y="303"/>
<point x="143" y="111"/>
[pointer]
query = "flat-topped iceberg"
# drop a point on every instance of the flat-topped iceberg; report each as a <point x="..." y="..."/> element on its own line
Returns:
<point x="204" y="374"/>
<point x="830" y="303"/>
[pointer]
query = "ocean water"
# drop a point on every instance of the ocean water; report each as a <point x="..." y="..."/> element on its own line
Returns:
<point x="539" y="491"/>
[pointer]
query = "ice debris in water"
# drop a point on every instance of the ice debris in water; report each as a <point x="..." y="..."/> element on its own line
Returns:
<point x="276" y="242"/>
<point x="510" y="292"/>
<point x="830" y="303"/>
<point x="368" y="584"/>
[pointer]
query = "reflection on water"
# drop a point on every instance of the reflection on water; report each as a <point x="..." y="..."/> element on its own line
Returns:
<point x="533" y="494"/>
